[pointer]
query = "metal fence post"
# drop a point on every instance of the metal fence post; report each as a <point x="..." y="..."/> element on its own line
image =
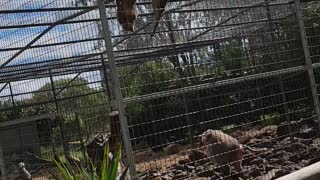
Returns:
<point x="105" y="80"/>
<point x="2" y="165"/>
<point x="116" y="88"/>
<point x="308" y="59"/>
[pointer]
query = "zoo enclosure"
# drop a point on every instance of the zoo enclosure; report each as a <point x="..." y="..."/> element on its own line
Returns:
<point x="222" y="65"/>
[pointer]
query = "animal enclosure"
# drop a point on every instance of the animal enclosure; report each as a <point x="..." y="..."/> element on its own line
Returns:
<point x="249" y="68"/>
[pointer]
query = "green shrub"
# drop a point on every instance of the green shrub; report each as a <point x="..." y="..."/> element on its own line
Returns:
<point x="109" y="169"/>
<point x="269" y="119"/>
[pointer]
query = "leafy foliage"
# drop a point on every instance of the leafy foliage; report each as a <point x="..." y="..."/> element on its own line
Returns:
<point x="109" y="169"/>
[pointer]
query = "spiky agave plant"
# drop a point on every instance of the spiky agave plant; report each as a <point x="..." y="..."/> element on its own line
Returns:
<point x="109" y="170"/>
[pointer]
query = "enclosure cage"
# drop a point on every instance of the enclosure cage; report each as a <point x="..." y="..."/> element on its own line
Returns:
<point x="69" y="72"/>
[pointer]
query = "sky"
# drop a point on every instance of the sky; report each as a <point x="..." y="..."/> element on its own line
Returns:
<point x="20" y="37"/>
<point x="17" y="38"/>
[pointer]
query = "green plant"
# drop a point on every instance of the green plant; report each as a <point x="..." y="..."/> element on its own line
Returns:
<point x="109" y="170"/>
<point x="269" y="119"/>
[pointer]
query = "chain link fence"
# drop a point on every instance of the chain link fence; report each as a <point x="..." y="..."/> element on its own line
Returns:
<point x="69" y="73"/>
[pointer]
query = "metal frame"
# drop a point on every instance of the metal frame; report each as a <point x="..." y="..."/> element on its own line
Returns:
<point x="160" y="52"/>
<point x="109" y="60"/>
<point x="116" y="91"/>
<point x="309" y="65"/>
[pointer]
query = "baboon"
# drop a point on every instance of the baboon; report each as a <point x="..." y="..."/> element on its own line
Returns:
<point x="126" y="14"/>
<point x="158" y="7"/>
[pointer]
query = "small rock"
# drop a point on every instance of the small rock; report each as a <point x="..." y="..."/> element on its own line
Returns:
<point x="255" y="141"/>
<point x="199" y="169"/>
<point x="269" y="130"/>
<point x="171" y="175"/>
<point x="180" y="175"/>
<point x="256" y="161"/>
<point x="307" y="132"/>
<point x="314" y="150"/>
<point x="247" y="159"/>
<point x="268" y="154"/>
<point x="294" y="158"/>
<point x="288" y="163"/>
<point x="268" y="176"/>
<point x="287" y="140"/>
<point x="157" y="178"/>
<point x="175" y="171"/>
<point x="206" y="173"/>
<point x="269" y="167"/>
<point x="314" y="160"/>
<point x="179" y="167"/>
<point x="184" y="161"/>
<point x="166" y="177"/>
<point x="281" y="173"/>
<point x="265" y="144"/>
<point x="277" y="154"/>
<point x="283" y="129"/>
<point x="276" y="161"/>
<point x="296" y="168"/>
<point x="280" y="154"/>
<point x="244" y="139"/>
<point x="172" y="149"/>
<point x="189" y="168"/>
<point x="198" y="156"/>
<point x="155" y="172"/>
<point x="255" y="172"/>
<point x="237" y="133"/>
<point x="207" y="164"/>
<point x="295" y="147"/>
<point x="304" y="162"/>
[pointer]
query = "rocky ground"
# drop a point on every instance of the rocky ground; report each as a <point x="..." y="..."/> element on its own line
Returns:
<point x="284" y="155"/>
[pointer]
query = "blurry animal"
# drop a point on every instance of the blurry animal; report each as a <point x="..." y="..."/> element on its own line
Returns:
<point x="126" y="14"/>
<point x="224" y="150"/>
<point x="23" y="172"/>
<point x="158" y="7"/>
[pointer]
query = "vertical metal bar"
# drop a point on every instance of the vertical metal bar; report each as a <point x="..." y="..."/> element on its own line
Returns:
<point x="285" y="107"/>
<point x="173" y="41"/>
<point x="53" y="91"/>
<point x="105" y="79"/>
<point x="116" y="88"/>
<point x="13" y="104"/>
<point x="81" y="135"/>
<point x="274" y="47"/>
<point x="2" y="165"/>
<point x="308" y="59"/>
<point x="190" y="127"/>
<point x="11" y="94"/>
<point x="60" y="120"/>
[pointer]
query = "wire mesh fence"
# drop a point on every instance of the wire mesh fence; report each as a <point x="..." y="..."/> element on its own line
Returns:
<point x="72" y="78"/>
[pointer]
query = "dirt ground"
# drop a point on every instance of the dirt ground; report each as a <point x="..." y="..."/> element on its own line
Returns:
<point x="282" y="157"/>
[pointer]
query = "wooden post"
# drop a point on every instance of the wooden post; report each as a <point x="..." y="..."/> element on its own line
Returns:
<point x="116" y="88"/>
<point x="115" y="138"/>
<point x="2" y="166"/>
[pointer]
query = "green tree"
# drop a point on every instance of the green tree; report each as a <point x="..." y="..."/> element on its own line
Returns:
<point x="233" y="58"/>
<point x="73" y="96"/>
